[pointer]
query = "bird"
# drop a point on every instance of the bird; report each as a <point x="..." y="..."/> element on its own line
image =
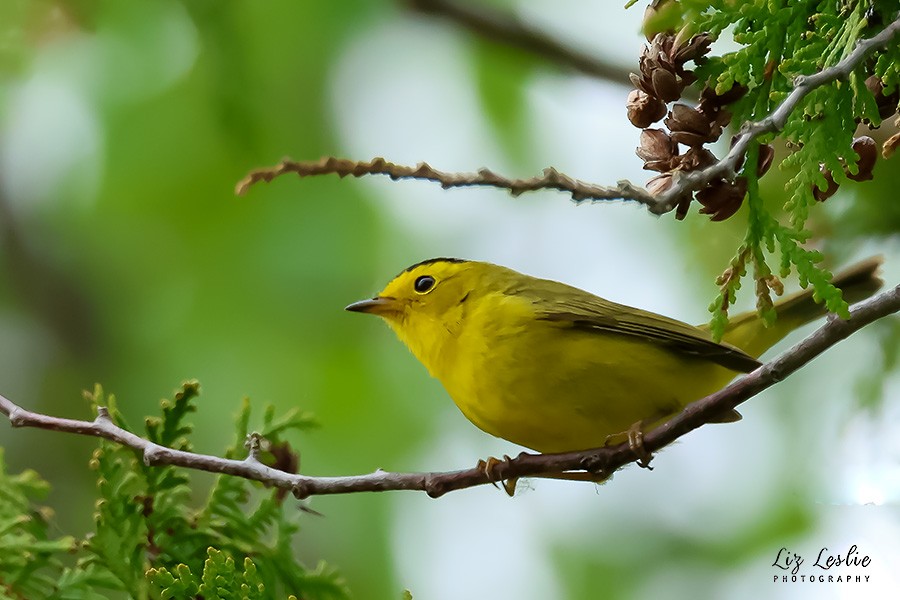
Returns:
<point x="555" y="368"/>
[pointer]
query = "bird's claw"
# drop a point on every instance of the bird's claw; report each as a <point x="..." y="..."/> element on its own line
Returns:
<point x="636" y="445"/>
<point x="635" y="438"/>
<point x="493" y="469"/>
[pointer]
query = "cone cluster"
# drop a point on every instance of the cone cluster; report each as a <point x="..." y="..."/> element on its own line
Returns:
<point x="865" y="147"/>
<point x="680" y="146"/>
<point x="662" y="79"/>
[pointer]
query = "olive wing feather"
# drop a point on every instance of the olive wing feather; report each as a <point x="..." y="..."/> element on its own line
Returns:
<point x="554" y="301"/>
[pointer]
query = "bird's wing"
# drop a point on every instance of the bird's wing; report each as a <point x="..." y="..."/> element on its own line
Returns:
<point x="559" y="302"/>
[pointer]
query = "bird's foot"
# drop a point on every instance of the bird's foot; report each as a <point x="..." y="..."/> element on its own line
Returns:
<point x="636" y="445"/>
<point x="493" y="469"/>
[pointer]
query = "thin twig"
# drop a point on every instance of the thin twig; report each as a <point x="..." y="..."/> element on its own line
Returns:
<point x="688" y="183"/>
<point x="551" y="179"/>
<point x="685" y="183"/>
<point x="603" y="460"/>
<point x="505" y="28"/>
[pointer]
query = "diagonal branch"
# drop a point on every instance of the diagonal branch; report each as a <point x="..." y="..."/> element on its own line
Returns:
<point x="506" y="29"/>
<point x="551" y="179"/>
<point x="602" y="461"/>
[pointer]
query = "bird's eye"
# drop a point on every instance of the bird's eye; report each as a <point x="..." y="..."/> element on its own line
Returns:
<point x="424" y="284"/>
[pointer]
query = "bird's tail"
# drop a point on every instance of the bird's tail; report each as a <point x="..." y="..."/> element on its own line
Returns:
<point x="749" y="333"/>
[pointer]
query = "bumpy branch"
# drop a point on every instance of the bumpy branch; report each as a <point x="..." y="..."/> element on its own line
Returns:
<point x="504" y="28"/>
<point x="600" y="461"/>
<point x="551" y="179"/>
<point x="580" y="191"/>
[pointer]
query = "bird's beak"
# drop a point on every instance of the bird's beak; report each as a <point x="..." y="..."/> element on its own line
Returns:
<point x="379" y="305"/>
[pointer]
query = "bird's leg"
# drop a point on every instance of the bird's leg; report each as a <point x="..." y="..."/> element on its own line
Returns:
<point x="634" y="435"/>
<point x="636" y="445"/>
<point x="493" y="470"/>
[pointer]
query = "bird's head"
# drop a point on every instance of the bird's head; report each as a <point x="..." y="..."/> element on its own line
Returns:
<point x="425" y="304"/>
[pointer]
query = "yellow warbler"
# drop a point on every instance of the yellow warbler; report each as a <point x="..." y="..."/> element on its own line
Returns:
<point x="556" y="369"/>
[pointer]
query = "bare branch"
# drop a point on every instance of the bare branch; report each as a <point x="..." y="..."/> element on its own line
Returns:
<point x="688" y="183"/>
<point x="496" y="26"/>
<point x="685" y="184"/>
<point x="551" y="179"/>
<point x="603" y="460"/>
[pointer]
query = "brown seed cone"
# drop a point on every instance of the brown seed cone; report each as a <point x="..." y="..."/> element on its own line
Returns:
<point x="709" y="100"/>
<point x="693" y="49"/>
<point x="721" y="199"/>
<point x="643" y="109"/>
<point x="867" y="150"/>
<point x="718" y="118"/>
<point x="668" y="86"/>
<point x="694" y="140"/>
<point x="665" y="85"/>
<point x="684" y="118"/>
<point x="659" y="76"/>
<point x="721" y="118"/>
<point x="661" y="47"/>
<point x="763" y="161"/>
<point x="766" y="156"/>
<point x="694" y="159"/>
<point x="887" y="104"/>
<point x="831" y="187"/>
<point x="657" y="150"/>
<point x="661" y="65"/>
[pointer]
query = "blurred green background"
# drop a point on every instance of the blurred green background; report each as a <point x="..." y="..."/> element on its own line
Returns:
<point x="127" y="260"/>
